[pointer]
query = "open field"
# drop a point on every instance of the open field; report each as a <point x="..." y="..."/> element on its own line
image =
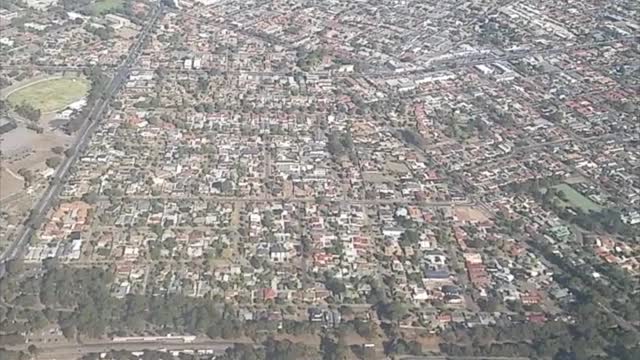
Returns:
<point x="23" y="149"/>
<point x="10" y="183"/>
<point x="376" y="177"/>
<point x="50" y="95"/>
<point x="103" y="6"/>
<point x="397" y="167"/>
<point x="468" y="213"/>
<point x="576" y="199"/>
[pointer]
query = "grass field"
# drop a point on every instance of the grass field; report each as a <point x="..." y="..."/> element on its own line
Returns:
<point x="103" y="6"/>
<point x="575" y="199"/>
<point x="50" y="95"/>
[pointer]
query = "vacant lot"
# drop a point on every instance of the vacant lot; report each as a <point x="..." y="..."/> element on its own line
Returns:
<point x="575" y="199"/>
<point x="10" y="183"/>
<point x="472" y="214"/>
<point x="24" y="149"/>
<point x="397" y="167"/>
<point x="50" y="94"/>
<point x="376" y="177"/>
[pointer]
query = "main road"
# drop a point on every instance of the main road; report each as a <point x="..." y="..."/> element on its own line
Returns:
<point x="453" y="357"/>
<point x="76" y="351"/>
<point x="40" y="209"/>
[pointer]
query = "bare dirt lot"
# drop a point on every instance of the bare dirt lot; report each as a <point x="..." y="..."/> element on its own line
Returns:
<point x="10" y="183"/>
<point x="23" y="148"/>
<point x="471" y="214"/>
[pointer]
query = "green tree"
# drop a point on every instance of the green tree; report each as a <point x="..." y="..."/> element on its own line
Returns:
<point x="394" y="311"/>
<point x="53" y="162"/>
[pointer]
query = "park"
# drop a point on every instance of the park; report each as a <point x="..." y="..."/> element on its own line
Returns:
<point x="50" y="95"/>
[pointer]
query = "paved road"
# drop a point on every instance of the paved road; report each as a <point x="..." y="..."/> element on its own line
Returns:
<point x="435" y="64"/>
<point x="441" y="357"/>
<point x="75" y="351"/>
<point x="619" y="320"/>
<point x="42" y="206"/>
<point x="523" y="150"/>
<point x="300" y="200"/>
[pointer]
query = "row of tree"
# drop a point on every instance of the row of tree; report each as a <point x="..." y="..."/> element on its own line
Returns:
<point x="28" y="111"/>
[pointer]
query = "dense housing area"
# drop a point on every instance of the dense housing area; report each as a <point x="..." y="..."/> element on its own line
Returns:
<point x="321" y="179"/>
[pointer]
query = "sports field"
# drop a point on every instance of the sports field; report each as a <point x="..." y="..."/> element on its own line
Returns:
<point x="51" y="94"/>
<point x="576" y="199"/>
